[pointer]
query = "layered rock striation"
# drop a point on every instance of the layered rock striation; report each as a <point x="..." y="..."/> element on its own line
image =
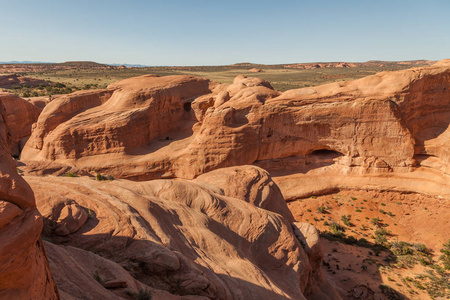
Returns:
<point x="182" y="126"/>
<point x="216" y="237"/>
<point x="24" y="270"/>
<point x="19" y="117"/>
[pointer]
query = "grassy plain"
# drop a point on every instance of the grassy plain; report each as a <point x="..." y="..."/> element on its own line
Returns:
<point x="282" y="78"/>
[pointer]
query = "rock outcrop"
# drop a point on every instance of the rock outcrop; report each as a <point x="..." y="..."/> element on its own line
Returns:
<point x="12" y="80"/>
<point x="187" y="238"/>
<point x="19" y="116"/>
<point x="24" y="270"/>
<point x="181" y="126"/>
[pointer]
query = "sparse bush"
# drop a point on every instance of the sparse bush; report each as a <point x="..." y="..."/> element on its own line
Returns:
<point x="97" y="276"/>
<point x="420" y="248"/>
<point x="445" y="257"/>
<point x="380" y="236"/>
<point x="401" y="248"/>
<point x="390" y="293"/>
<point x="346" y="221"/>
<point x="336" y="229"/>
<point x="70" y="174"/>
<point x="375" y="221"/>
<point x="321" y="209"/>
<point x="143" y="295"/>
<point x="100" y="177"/>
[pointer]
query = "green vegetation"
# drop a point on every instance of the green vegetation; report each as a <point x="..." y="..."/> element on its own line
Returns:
<point x="381" y="236"/>
<point x="390" y="293"/>
<point x="346" y="220"/>
<point x="97" y="276"/>
<point x="445" y="257"/>
<point x="92" y="75"/>
<point x="375" y="221"/>
<point x="100" y="177"/>
<point x="321" y="209"/>
<point x="336" y="229"/>
<point x="70" y="174"/>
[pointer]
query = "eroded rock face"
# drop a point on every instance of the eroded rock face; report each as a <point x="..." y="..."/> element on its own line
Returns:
<point x="188" y="238"/>
<point x="121" y="119"/>
<point x="24" y="271"/>
<point x="11" y="80"/>
<point x="84" y="275"/>
<point x="19" y="116"/>
<point x="181" y="126"/>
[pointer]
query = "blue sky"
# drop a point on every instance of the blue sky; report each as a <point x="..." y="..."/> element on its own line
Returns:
<point x="198" y="32"/>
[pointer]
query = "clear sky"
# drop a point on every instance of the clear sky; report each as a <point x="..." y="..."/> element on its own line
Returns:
<point x="198" y="32"/>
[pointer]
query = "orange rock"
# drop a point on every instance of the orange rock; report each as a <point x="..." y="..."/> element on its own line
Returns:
<point x="11" y="80"/>
<point x="24" y="271"/>
<point x="256" y="70"/>
<point x="214" y="237"/>
<point x="181" y="126"/>
<point x="19" y="118"/>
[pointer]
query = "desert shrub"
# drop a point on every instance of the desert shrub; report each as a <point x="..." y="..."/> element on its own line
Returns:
<point x="445" y="257"/>
<point x="401" y="248"/>
<point x="390" y="293"/>
<point x="336" y="228"/>
<point x="420" y="248"/>
<point x="346" y="220"/>
<point x="101" y="177"/>
<point x="70" y="174"/>
<point x="362" y="242"/>
<point x="96" y="276"/>
<point x="143" y="294"/>
<point x="321" y="209"/>
<point x="380" y="236"/>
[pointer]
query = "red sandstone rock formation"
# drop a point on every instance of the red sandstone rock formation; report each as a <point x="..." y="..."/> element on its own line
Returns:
<point x="216" y="237"/>
<point x="389" y="125"/>
<point x="24" y="271"/>
<point x="8" y="81"/>
<point x="256" y="70"/>
<point x="19" y="118"/>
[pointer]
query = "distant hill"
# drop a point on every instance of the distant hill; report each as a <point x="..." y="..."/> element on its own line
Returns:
<point x="24" y="62"/>
<point x="129" y="65"/>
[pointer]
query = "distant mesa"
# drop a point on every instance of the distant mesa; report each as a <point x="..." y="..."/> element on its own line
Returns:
<point x="244" y="64"/>
<point x="321" y="65"/>
<point x="372" y="63"/>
